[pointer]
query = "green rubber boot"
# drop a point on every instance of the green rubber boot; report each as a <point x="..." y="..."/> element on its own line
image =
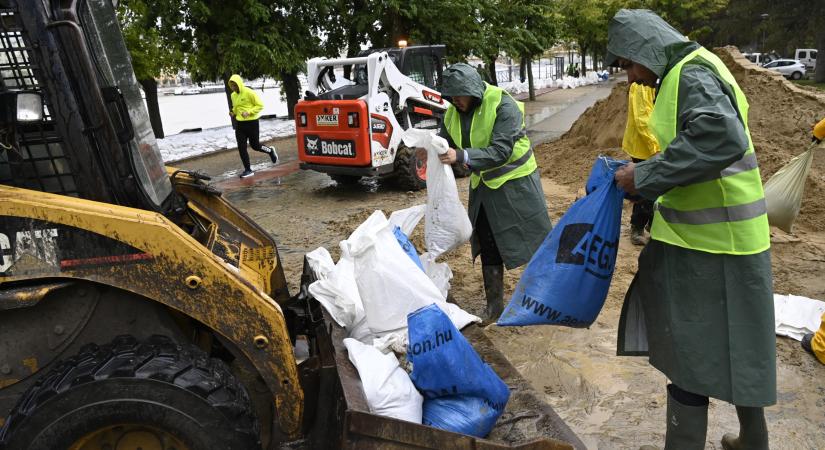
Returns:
<point x="687" y="426"/>
<point x="753" y="431"/>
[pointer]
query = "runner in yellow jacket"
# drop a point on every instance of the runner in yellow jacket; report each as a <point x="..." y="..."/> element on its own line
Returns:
<point x="246" y="107"/>
<point x="640" y="144"/>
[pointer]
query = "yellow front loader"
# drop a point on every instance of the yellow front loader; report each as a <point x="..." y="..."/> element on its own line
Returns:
<point x="138" y="308"/>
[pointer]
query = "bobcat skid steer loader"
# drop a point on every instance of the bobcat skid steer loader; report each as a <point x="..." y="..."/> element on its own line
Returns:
<point x="353" y="129"/>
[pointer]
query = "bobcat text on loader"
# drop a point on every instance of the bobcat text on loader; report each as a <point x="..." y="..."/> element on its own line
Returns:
<point x="138" y="308"/>
<point x="353" y="129"/>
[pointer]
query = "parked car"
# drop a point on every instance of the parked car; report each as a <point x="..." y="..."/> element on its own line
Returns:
<point x="806" y="56"/>
<point x="761" y="59"/>
<point x="790" y="68"/>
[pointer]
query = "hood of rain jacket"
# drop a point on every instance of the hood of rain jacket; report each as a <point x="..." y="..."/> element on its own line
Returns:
<point x="644" y="38"/>
<point x="462" y="79"/>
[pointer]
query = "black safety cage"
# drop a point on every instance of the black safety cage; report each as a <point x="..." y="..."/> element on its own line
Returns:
<point x="31" y="154"/>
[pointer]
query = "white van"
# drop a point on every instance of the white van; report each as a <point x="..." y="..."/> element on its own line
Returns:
<point x="806" y="56"/>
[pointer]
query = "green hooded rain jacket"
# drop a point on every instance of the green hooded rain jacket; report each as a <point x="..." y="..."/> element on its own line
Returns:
<point x="705" y="320"/>
<point x="516" y="211"/>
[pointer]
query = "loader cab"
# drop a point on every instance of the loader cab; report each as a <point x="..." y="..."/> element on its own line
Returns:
<point x="424" y="64"/>
<point x="71" y="115"/>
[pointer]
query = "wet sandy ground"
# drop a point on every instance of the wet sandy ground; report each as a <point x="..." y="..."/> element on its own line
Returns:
<point x="610" y="402"/>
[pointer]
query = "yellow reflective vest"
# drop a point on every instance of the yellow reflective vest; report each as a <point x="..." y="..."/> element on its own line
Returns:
<point x="724" y="213"/>
<point x="521" y="162"/>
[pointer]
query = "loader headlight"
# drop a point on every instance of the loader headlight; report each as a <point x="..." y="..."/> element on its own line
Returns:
<point x="352" y="120"/>
<point x="302" y="119"/>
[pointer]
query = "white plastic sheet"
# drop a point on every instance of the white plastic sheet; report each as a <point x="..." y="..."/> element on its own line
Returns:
<point x="388" y="389"/>
<point x="446" y="223"/>
<point x="783" y="192"/>
<point x="796" y="316"/>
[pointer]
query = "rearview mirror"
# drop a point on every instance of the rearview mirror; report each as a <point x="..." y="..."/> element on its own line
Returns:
<point x="29" y="107"/>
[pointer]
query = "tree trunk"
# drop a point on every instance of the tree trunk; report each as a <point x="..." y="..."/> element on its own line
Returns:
<point x="491" y="67"/>
<point x="291" y="86"/>
<point x="819" y="74"/>
<point x="530" y="88"/>
<point x="522" y="69"/>
<point x="583" y="56"/>
<point x="150" y="88"/>
<point x="353" y="38"/>
<point x="228" y="98"/>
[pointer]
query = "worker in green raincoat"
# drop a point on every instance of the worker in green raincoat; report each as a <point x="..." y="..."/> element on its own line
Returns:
<point x="507" y="208"/>
<point x="701" y="305"/>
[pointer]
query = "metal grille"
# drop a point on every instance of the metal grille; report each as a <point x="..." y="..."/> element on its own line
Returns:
<point x="31" y="155"/>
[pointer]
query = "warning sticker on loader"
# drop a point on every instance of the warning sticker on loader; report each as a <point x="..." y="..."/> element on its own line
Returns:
<point x="327" y="120"/>
<point x="315" y="146"/>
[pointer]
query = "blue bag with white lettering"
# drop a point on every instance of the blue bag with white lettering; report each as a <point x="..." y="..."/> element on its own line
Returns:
<point x="566" y="281"/>
<point x="461" y="392"/>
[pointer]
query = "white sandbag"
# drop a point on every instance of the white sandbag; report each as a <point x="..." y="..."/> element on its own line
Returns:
<point x="407" y="219"/>
<point x="320" y="261"/>
<point x="796" y="316"/>
<point x="387" y="387"/>
<point x="446" y="223"/>
<point x="783" y="192"/>
<point x="439" y="273"/>
<point x="338" y="294"/>
<point x="389" y="283"/>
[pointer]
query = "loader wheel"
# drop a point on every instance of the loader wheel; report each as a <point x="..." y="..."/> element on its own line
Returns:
<point x="411" y="169"/>
<point x="345" y="180"/>
<point x="131" y="395"/>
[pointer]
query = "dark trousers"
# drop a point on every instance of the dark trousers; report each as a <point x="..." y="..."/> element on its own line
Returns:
<point x="642" y="215"/>
<point x="247" y="130"/>
<point x="486" y="241"/>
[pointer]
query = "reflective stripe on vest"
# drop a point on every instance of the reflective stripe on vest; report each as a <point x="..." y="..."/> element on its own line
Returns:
<point x="722" y="212"/>
<point x="521" y="162"/>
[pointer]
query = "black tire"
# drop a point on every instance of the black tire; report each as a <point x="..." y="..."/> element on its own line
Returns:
<point x="174" y="389"/>
<point x="796" y="75"/>
<point x="345" y="180"/>
<point x="411" y="169"/>
<point x="460" y="170"/>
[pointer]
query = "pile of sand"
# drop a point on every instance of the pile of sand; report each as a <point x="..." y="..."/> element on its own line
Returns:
<point x="781" y="118"/>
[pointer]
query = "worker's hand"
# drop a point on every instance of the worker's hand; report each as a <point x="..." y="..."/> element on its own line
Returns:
<point x="624" y="178"/>
<point x="245" y="114"/>
<point x="231" y="114"/>
<point x="448" y="157"/>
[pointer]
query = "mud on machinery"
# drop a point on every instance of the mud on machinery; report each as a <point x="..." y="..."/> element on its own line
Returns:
<point x="138" y="308"/>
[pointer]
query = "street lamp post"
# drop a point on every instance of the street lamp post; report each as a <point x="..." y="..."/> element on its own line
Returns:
<point x="764" y="28"/>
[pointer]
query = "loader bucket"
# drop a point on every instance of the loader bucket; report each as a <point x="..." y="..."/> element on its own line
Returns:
<point x="527" y="423"/>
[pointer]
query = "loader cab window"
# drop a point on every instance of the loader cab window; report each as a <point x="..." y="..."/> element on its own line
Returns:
<point x="423" y="68"/>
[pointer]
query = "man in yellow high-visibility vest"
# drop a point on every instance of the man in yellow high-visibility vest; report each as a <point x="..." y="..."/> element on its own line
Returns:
<point x="701" y="305"/>
<point x="485" y="128"/>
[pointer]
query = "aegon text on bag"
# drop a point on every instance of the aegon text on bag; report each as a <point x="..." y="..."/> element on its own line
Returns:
<point x="566" y="281"/>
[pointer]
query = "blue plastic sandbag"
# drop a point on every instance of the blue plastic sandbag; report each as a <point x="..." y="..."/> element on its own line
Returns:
<point x="603" y="169"/>
<point x="461" y="392"/>
<point x="566" y="281"/>
<point x="407" y="246"/>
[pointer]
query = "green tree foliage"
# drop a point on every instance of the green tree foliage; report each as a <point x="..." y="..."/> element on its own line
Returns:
<point x="253" y="38"/>
<point x="154" y="49"/>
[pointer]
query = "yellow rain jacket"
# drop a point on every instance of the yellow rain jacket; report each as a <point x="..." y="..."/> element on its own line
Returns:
<point x="818" y="342"/>
<point x="245" y="100"/>
<point x="638" y="141"/>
